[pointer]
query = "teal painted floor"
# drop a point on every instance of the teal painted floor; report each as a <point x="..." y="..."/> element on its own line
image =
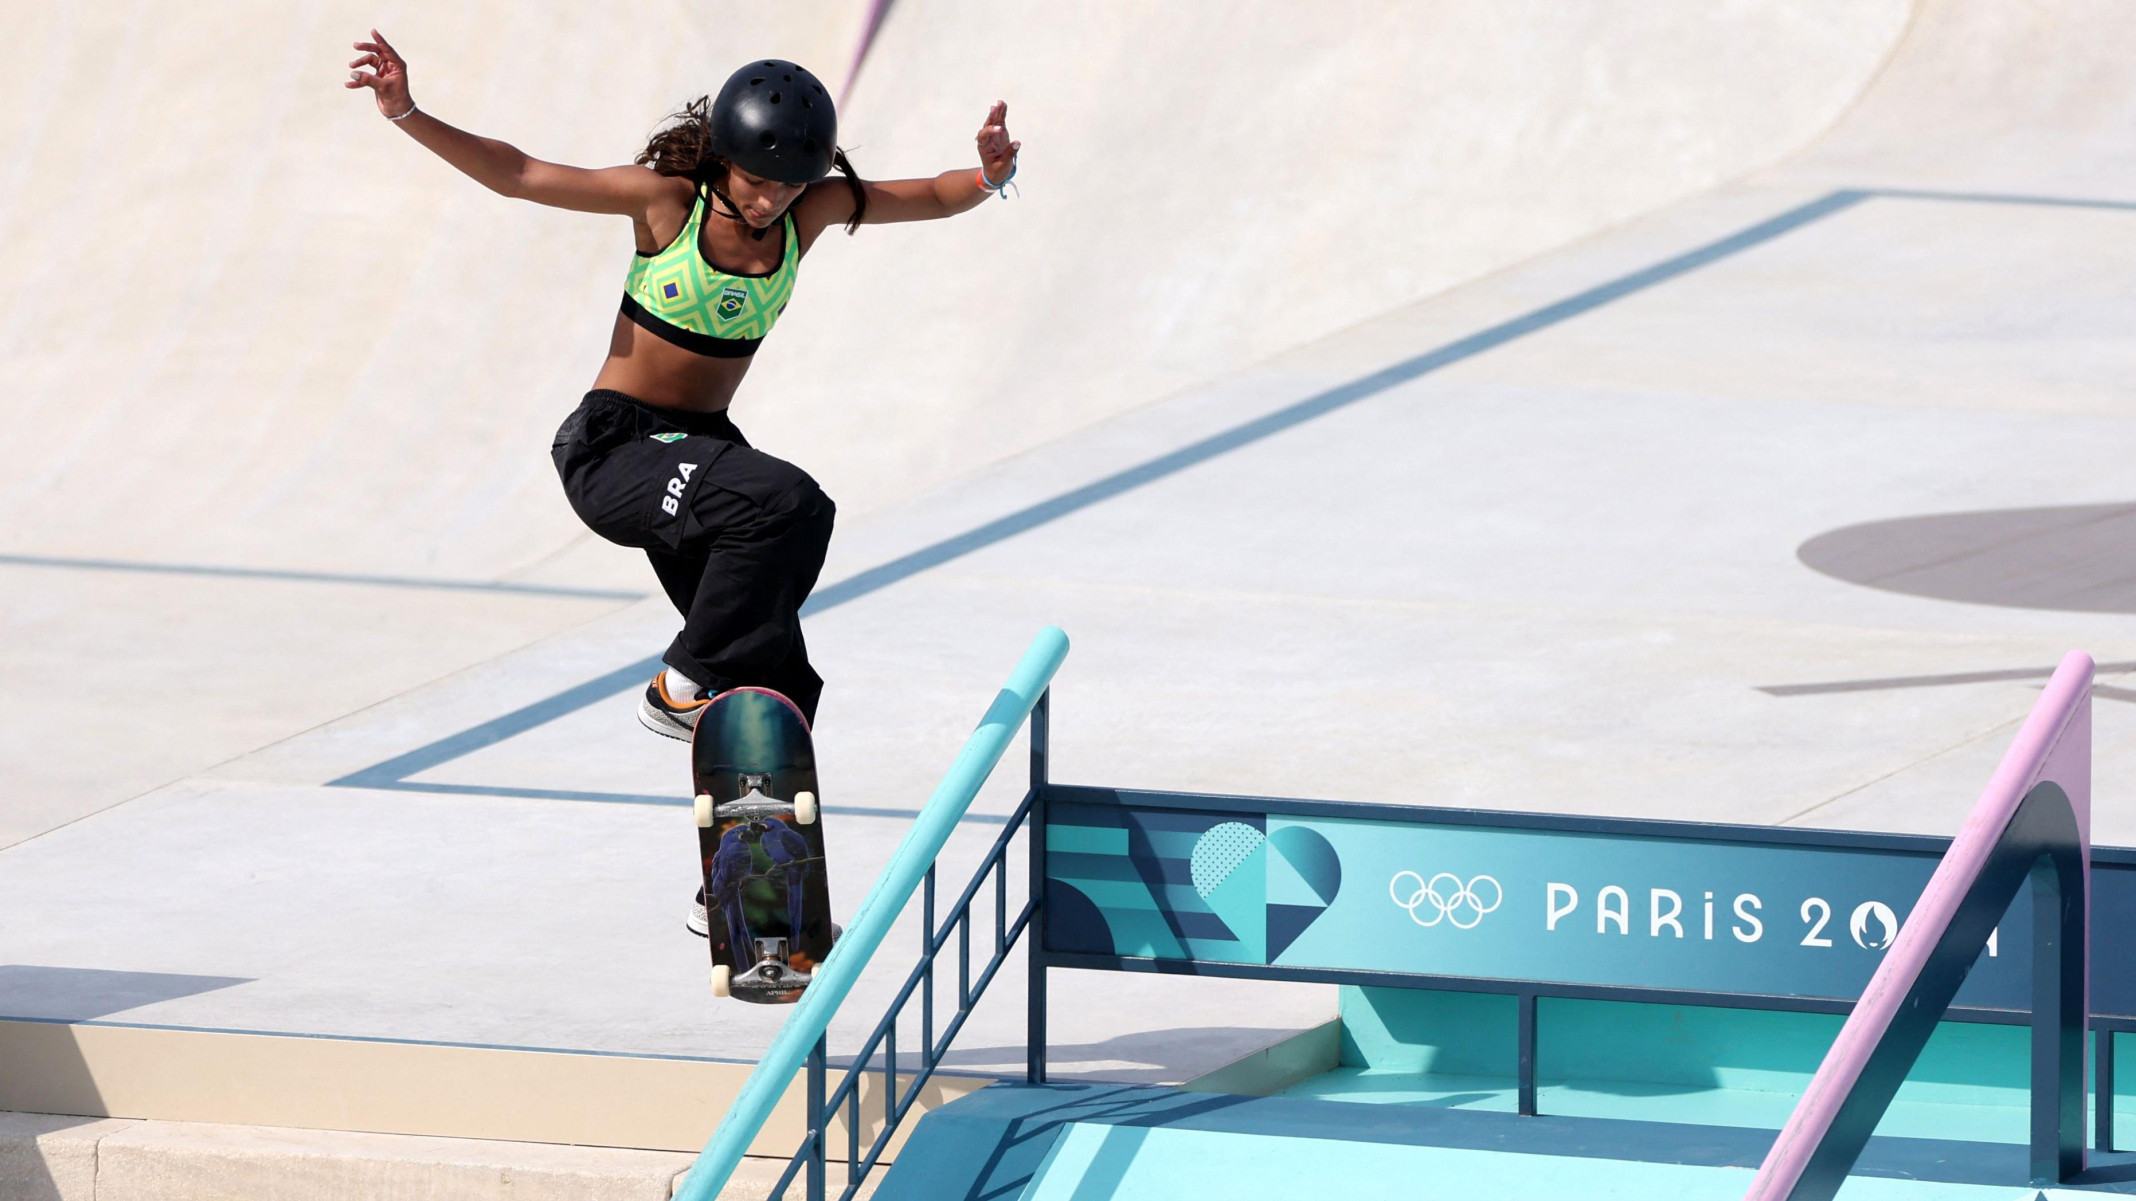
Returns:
<point x="1988" y="1116"/>
<point x="1083" y="1142"/>
<point x="1125" y="1163"/>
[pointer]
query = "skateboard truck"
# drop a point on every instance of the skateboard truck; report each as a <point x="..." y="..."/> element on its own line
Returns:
<point x="757" y="785"/>
<point x="771" y="971"/>
<point x="771" y="965"/>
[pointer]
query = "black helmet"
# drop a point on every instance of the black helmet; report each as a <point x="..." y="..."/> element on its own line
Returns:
<point x="775" y="120"/>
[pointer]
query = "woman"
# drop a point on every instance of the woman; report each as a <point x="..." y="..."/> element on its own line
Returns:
<point x="724" y="204"/>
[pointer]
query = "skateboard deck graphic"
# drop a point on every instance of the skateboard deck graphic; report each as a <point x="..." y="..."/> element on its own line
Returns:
<point x="760" y="837"/>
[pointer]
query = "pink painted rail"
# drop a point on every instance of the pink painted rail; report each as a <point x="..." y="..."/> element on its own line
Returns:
<point x="2052" y="748"/>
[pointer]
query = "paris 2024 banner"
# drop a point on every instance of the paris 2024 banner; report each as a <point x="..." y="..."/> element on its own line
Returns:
<point x="1613" y="908"/>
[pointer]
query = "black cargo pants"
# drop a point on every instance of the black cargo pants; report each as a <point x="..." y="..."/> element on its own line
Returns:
<point x="736" y="536"/>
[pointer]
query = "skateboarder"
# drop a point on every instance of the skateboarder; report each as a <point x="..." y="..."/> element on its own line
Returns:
<point x="724" y="203"/>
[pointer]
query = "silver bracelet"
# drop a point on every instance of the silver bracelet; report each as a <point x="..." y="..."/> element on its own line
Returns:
<point x="404" y="116"/>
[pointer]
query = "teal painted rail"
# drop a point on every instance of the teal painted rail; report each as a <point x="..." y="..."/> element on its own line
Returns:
<point x="834" y="978"/>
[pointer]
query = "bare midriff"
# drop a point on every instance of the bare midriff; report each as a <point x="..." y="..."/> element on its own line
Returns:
<point x="642" y="364"/>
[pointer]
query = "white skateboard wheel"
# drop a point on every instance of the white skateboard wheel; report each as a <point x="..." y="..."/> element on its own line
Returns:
<point x="805" y="808"/>
<point x="703" y="809"/>
<point x="719" y="980"/>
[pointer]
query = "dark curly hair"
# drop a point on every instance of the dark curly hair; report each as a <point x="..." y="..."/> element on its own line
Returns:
<point x="684" y="148"/>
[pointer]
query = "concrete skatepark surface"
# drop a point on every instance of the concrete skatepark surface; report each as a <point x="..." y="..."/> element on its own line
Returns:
<point x="1753" y="460"/>
<point x="327" y="362"/>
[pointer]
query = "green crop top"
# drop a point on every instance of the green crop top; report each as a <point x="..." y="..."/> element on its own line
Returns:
<point x="683" y="297"/>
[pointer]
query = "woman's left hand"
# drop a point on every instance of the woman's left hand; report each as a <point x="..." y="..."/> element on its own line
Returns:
<point x="997" y="154"/>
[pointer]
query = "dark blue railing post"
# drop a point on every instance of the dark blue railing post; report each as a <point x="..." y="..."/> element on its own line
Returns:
<point x="2060" y="917"/>
<point x="818" y="1121"/>
<point x="927" y="933"/>
<point x="1035" y="973"/>
<point x="2105" y="1085"/>
<point x="1524" y="1056"/>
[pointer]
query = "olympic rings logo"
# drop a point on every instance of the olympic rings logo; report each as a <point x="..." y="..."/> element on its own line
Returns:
<point x="1446" y="898"/>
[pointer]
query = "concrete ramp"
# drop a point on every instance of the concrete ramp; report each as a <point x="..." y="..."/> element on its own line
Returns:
<point x="313" y="345"/>
<point x="2030" y="99"/>
<point x="281" y="383"/>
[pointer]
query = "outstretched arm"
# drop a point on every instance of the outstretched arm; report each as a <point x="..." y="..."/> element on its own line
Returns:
<point x="830" y="202"/>
<point x="499" y="166"/>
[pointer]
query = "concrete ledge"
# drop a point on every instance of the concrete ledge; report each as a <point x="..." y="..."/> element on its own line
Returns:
<point x="382" y="1087"/>
<point x="164" y="1161"/>
<point x="753" y="1179"/>
<point x="52" y="1158"/>
<point x="46" y="1158"/>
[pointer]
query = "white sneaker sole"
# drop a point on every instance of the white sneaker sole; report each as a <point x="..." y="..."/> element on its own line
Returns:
<point x="658" y="721"/>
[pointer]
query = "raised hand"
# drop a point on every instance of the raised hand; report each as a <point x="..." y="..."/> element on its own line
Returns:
<point x="997" y="154"/>
<point x="387" y="76"/>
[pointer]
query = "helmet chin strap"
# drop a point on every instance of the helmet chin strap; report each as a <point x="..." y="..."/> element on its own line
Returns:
<point x="734" y="212"/>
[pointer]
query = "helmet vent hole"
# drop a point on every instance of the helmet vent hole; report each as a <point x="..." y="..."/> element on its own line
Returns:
<point x="807" y="103"/>
<point x="754" y="80"/>
<point x="774" y="97"/>
<point x="768" y="140"/>
<point x="788" y="78"/>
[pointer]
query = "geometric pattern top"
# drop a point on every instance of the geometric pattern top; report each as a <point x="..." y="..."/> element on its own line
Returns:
<point x="680" y="295"/>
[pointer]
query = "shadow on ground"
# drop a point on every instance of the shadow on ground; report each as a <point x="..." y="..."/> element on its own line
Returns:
<point x="2079" y="558"/>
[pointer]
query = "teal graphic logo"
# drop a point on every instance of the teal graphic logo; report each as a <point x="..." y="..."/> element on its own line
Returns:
<point x="1303" y="877"/>
<point x="732" y="301"/>
<point x="1228" y="866"/>
<point x="1265" y="888"/>
<point x="1185" y="884"/>
<point x="675" y="436"/>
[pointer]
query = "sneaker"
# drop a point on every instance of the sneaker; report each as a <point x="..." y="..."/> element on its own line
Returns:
<point x="663" y="714"/>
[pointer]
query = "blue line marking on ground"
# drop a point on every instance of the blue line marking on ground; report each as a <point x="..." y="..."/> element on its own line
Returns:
<point x="212" y="571"/>
<point x="2008" y="198"/>
<point x="497" y="729"/>
<point x="628" y="798"/>
<point x="1317" y="405"/>
<point x="395" y="771"/>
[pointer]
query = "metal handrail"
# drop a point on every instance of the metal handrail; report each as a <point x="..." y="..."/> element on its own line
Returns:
<point x="2032" y="822"/>
<point x="935" y="939"/>
<point x="801" y="1038"/>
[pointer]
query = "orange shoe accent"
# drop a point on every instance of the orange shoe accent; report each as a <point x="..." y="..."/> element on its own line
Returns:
<point x="668" y="698"/>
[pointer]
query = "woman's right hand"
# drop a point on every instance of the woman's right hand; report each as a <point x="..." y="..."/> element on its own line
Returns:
<point x="387" y="77"/>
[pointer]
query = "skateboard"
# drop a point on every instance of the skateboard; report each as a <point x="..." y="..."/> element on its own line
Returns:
<point x="760" y="836"/>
